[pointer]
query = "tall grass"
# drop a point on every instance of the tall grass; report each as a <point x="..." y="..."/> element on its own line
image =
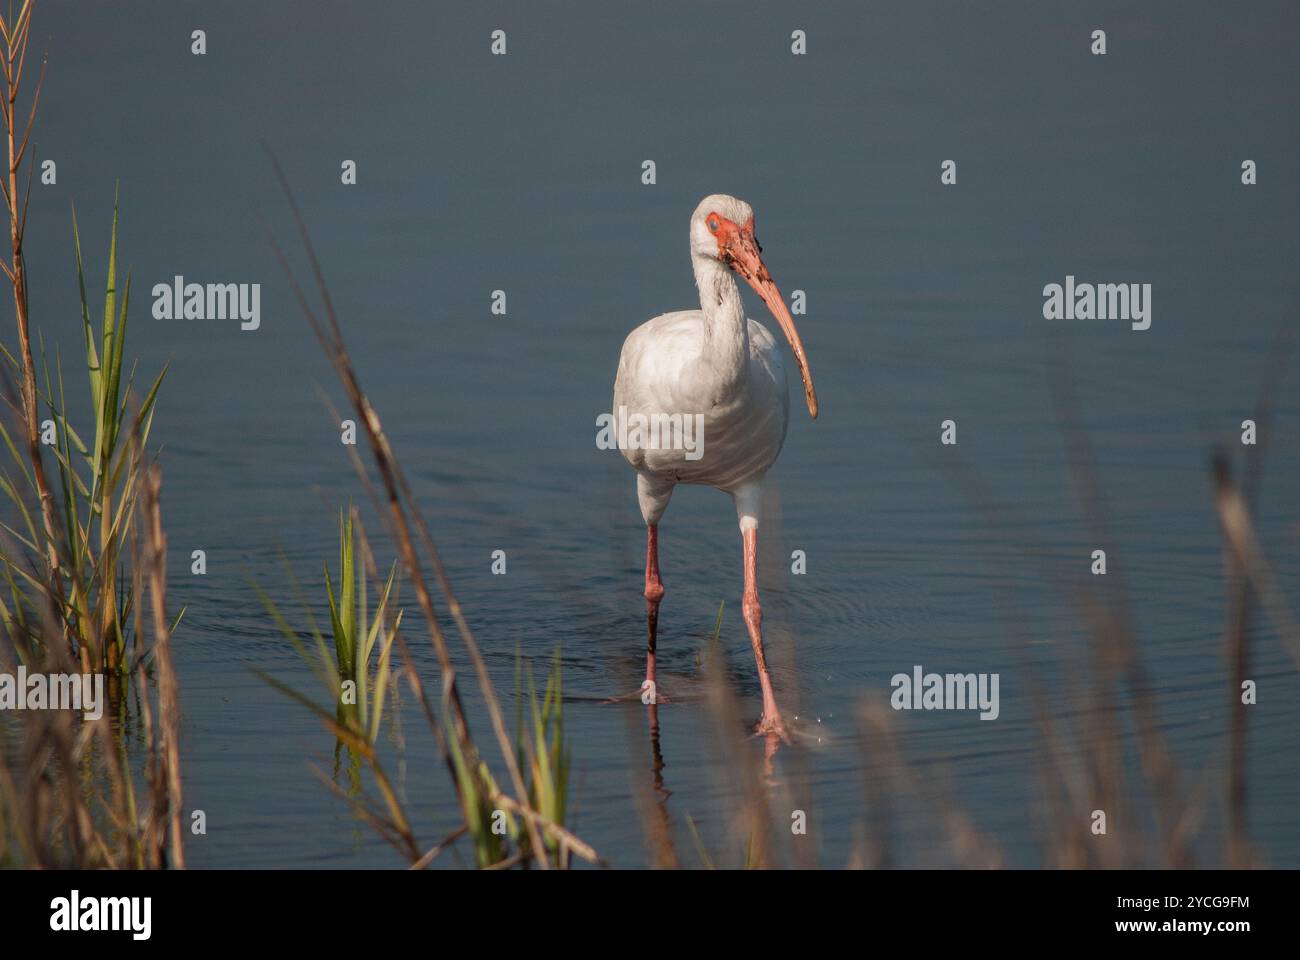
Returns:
<point x="96" y="493"/>
<point x="356" y="680"/>
<point x="83" y="562"/>
<point x="543" y="753"/>
<point x="344" y="664"/>
<point x="483" y="800"/>
<point x="98" y="484"/>
<point x="355" y="710"/>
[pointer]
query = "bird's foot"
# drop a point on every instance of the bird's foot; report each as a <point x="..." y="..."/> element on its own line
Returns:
<point x="770" y="725"/>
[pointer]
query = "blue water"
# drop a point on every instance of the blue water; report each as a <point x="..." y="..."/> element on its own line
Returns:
<point x="522" y="173"/>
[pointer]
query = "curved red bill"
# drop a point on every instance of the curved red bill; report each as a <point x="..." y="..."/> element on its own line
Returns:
<point x="746" y="259"/>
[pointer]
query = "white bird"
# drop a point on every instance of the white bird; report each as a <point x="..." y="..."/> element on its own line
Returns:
<point x="721" y="373"/>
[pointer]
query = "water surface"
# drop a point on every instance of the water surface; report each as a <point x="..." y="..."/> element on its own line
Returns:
<point x="522" y="173"/>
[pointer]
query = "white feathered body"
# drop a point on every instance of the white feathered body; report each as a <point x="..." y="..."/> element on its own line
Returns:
<point x="686" y="363"/>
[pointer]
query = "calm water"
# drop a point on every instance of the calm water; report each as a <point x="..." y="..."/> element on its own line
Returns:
<point x="522" y="173"/>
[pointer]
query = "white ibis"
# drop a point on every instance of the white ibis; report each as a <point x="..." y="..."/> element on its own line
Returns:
<point x="716" y="369"/>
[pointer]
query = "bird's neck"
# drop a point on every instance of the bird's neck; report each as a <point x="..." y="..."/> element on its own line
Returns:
<point x="726" y="333"/>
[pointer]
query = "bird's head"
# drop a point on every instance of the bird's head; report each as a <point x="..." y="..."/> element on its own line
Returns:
<point x="722" y="228"/>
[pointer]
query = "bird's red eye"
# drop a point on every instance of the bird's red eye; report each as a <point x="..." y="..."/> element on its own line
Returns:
<point x="713" y="224"/>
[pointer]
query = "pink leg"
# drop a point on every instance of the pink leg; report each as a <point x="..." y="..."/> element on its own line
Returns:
<point x="753" y="613"/>
<point x="654" y="592"/>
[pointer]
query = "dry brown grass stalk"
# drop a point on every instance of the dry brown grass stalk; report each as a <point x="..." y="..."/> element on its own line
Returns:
<point x="406" y="525"/>
<point x="17" y="133"/>
<point x="71" y="794"/>
<point x="168" y="755"/>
